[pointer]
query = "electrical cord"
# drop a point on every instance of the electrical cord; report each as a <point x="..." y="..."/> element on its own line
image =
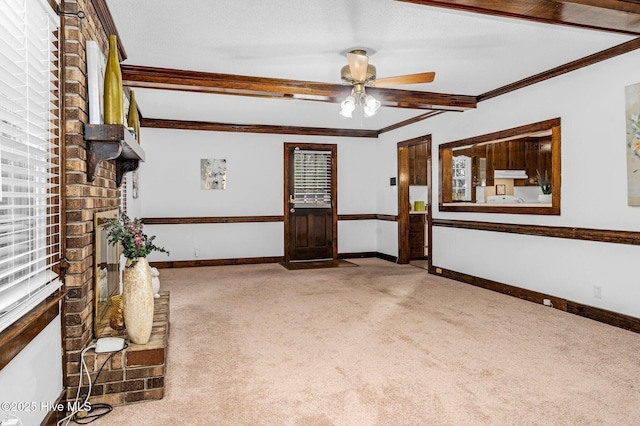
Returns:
<point x="78" y="408"/>
<point x="103" y="407"/>
<point x="107" y="408"/>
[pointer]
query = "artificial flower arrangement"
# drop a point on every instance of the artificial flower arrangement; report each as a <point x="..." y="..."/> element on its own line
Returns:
<point x="135" y="242"/>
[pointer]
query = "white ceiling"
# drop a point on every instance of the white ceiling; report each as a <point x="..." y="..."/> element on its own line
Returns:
<point x="306" y="40"/>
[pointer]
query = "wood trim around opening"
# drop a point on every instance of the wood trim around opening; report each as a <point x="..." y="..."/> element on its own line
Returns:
<point x="503" y="134"/>
<point x="445" y="156"/>
<point x="404" y="250"/>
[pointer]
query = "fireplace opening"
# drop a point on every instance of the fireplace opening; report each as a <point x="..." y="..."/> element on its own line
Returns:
<point x="106" y="273"/>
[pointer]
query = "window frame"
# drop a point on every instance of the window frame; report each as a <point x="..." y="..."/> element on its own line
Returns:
<point x="312" y="187"/>
<point x="26" y="301"/>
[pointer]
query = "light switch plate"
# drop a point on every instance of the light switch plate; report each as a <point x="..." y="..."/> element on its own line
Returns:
<point x="109" y="344"/>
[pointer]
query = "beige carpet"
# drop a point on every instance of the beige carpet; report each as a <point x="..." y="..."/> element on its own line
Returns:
<point x="381" y="344"/>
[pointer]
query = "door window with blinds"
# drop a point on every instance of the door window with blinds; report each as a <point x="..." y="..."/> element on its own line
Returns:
<point x="312" y="179"/>
<point x="29" y="162"/>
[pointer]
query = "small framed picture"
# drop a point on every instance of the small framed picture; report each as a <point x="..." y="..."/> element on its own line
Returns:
<point x="501" y="189"/>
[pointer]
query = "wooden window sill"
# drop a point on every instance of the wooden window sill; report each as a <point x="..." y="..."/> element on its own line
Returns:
<point x="19" y="334"/>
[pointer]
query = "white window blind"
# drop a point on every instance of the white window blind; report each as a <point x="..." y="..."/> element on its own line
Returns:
<point x="312" y="179"/>
<point x="29" y="162"/>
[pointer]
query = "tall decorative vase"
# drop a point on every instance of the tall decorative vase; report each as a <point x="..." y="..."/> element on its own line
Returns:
<point x="113" y="106"/>
<point x="133" y="119"/>
<point x="138" y="300"/>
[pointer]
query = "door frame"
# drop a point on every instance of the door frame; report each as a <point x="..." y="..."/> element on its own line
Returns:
<point x="333" y="148"/>
<point x="404" y="251"/>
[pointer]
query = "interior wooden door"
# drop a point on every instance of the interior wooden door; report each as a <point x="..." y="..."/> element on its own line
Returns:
<point x="310" y="202"/>
<point x="405" y="150"/>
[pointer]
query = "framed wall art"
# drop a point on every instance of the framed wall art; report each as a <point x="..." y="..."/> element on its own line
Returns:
<point x="96" y="64"/>
<point x="213" y="173"/>
<point x="632" y="110"/>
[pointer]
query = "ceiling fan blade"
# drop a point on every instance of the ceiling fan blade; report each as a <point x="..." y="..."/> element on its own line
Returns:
<point x="358" y="66"/>
<point x="425" y="77"/>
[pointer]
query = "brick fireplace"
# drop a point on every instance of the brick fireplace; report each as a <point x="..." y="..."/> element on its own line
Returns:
<point x="137" y="373"/>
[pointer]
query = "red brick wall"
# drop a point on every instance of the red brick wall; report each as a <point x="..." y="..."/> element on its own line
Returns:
<point x="81" y="199"/>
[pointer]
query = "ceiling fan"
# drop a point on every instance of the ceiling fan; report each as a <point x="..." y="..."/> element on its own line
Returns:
<point x="360" y="73"/>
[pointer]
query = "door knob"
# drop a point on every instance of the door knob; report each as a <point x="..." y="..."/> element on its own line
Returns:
<point x="292" y="210"/>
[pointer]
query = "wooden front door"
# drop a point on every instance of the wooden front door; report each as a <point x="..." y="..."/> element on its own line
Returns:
<point x="310" y="201"/>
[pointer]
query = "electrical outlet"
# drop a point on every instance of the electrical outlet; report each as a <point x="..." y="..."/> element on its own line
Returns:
<point x="597" y="292"/>
<point x="438" y="270"/>
<point x="196" y="252"/>
<point x="546" y="302"/>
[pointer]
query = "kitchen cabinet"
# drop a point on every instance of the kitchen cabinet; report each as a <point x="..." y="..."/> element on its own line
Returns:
<point x="507" y="155"/>
<point x="529" y="154"/>
<point x="417" y="236"/>
<point x="418" y="164"/>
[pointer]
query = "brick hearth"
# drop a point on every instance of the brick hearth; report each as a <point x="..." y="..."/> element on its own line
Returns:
<point x="133" y="375"/>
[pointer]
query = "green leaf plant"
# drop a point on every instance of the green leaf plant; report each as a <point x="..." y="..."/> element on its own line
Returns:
<point x="544" y="183"/>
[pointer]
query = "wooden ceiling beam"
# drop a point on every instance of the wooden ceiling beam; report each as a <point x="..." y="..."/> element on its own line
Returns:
<point x="134" y="76"/>
<point x="255" y="128"/>
<point x="620" y="16"/>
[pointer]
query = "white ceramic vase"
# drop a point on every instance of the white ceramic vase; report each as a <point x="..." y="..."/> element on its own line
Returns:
<point x="138" y="300"/>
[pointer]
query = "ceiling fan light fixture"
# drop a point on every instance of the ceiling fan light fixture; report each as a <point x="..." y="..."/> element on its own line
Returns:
<point x="358" y="97"/>
<point x="348" y="105"/>
<point x="370" y="106"/>
<point x="371" y="102"/>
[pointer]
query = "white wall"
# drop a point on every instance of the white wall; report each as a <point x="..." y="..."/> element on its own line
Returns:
<point x="34" y="376"/>
<point x="590" y="103"/>
<point x="387" y="201"/>
<point x="170" y="187"/>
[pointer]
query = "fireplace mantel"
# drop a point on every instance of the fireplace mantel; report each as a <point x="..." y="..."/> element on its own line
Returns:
<point x="111" y="142"/>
